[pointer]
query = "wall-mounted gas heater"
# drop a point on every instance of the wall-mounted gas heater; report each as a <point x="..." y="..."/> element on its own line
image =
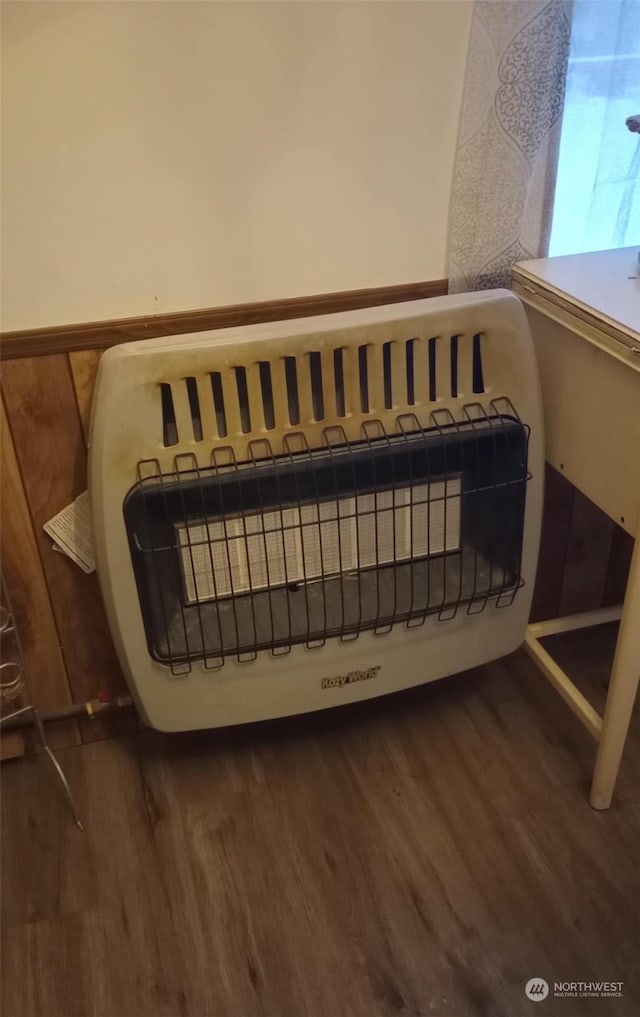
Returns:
<point x="288" y="517"/>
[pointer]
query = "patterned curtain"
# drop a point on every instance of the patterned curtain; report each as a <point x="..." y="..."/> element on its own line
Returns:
<point x="504" y="176"/>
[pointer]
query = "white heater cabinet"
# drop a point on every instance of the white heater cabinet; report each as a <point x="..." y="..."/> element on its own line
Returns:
<point x="294" y="516"/>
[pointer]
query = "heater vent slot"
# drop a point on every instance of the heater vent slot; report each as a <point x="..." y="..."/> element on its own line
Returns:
<point x="194" y="408"/>
<point x="169" y="427"/>
<point x="433" y="377"/>
<point x="218" y="403"/>
<point x="410" y="369"/>
<point x="291" y="381"/>
<point x="338" y="374"/>
<point x="243" y="399"/>
<point x="266" y="388"/>
<point x="386" y="370"/>
<point x="453" y="365"/>
<point x="478" y="374"/>
<point x="363" y="378"/>
<point x="317" y="394"/>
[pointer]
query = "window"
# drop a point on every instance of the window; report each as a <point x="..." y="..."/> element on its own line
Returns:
<point x="597" y="201"/>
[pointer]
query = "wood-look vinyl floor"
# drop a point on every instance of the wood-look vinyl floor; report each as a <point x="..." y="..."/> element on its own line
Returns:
<point x="423" y="854"/>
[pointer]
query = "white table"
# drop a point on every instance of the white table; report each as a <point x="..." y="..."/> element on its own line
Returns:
<point x="584" y="313"/>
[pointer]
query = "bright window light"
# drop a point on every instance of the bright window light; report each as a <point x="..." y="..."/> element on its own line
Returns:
<point x="597" y="200"/>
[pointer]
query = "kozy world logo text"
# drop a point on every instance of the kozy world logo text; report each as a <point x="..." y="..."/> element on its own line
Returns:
<point x="339" y="680"/>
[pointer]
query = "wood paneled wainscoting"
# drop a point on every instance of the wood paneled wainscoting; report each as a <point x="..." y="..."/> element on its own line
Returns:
<point x="47" y="384"/>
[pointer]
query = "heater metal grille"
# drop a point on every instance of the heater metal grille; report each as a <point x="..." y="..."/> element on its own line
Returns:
<point x="320" y="542"/>
<point x="302" y="544"/>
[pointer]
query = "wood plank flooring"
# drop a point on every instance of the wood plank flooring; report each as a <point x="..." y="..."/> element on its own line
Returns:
<point x="423" y="854"/>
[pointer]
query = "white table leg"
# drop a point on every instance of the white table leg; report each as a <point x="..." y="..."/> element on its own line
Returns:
<point x="623" y="686"/>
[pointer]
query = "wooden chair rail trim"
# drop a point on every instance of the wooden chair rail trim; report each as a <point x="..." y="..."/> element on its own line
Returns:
<point x="39" y="342"/>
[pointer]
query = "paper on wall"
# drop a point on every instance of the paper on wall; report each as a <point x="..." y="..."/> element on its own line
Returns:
<point x="71" y="533"/>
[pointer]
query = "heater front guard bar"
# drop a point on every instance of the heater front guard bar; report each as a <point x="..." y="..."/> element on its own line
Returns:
<point x="336" y="534"/>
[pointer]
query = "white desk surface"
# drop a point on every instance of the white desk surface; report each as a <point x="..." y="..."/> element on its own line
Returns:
<point x="605" y="284"/>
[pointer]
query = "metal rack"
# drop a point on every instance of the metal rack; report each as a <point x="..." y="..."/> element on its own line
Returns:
<point x="12" y="687"/>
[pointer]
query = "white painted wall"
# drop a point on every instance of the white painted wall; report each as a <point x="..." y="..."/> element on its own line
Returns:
<point x="160" y="156"/>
